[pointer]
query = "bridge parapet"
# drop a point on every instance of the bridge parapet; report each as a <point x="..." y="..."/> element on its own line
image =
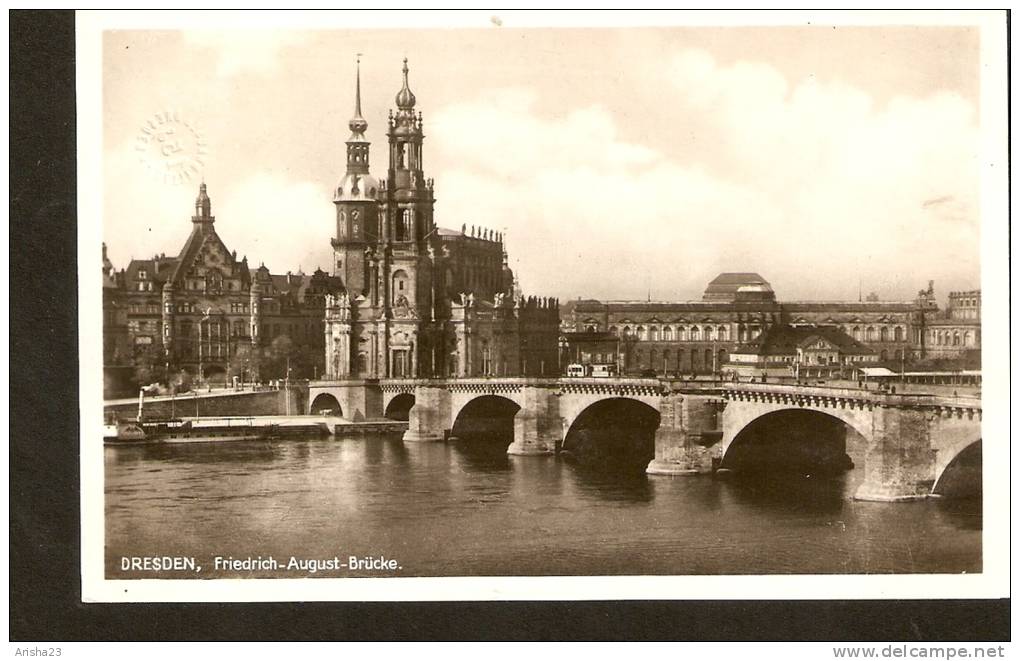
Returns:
<point x="615" y="387"/>
<point x="852" y="398"/>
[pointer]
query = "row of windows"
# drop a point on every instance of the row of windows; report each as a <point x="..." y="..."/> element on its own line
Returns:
<point x="667" y="333"/>
<point x="873" y="334"/>
<point x="668" y="361"/>
<point x="722" y="333"/>
<point x="951" y="338"/>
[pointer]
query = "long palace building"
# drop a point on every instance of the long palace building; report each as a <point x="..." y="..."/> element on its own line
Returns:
<point x="737" y="310"/>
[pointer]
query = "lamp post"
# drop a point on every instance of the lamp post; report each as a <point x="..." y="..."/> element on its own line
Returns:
<point x="286" y="388"/>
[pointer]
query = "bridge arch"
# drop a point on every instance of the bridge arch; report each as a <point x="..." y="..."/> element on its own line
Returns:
<point x="613" y="433"/>
<point x="958" y="470"/>
<point x="325" y="404"/>
<point x="399" y="407"/>
<point x="791" y="438"/>
<point x="487" y="417"/>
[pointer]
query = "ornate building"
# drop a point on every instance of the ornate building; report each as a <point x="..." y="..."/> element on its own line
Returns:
<point x="699" y="336"/>
<point x="419" y="300"/>
<point x="206" y="312"/>
<point x="957" y="332"/>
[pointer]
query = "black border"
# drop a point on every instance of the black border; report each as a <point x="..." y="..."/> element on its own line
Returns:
<point x="45" y="587"/>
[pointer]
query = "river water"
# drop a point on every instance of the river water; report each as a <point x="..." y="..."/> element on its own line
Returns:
<point x="469" y="509"/>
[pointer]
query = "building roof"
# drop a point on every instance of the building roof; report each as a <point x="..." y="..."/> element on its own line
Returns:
<point x="782" y="340"/>
<point x="159" y="269"/>
<point x="738" y="286"/>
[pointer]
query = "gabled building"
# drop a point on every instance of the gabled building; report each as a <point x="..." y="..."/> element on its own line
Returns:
<point x="785" y="350"/>
<point x="207" y="313"/>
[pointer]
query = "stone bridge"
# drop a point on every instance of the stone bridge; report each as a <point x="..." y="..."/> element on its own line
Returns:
<point x="907" y="440"/>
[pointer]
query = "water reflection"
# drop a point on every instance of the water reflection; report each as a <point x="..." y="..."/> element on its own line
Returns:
<point x="466" y="508"/>
<point x="787" y="492"/>
<point x="603" y="484"/>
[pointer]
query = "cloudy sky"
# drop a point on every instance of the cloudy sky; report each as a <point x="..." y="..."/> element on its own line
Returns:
<point x="620" y="163"/>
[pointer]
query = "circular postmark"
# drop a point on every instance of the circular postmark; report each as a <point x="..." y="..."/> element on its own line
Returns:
<point x="171" y="147"/>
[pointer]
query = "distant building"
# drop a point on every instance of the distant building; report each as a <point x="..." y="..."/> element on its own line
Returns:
<point x="957" y="332"/>
<point x="699" y="336"/>
<point x="419" y="300"/>
<point x="785" y="350"/>
<point x="207" y="313"/>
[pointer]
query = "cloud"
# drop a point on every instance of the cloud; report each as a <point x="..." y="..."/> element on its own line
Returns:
<point x="809" y="183"/>
<point x="267" y="214"/>
<point x="243" y="51"/>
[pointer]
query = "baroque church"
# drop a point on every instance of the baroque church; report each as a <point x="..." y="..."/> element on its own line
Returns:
<point x="421" y="300"/>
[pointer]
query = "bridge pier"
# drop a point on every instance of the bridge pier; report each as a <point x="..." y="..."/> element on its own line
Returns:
<point x="688" y="428"/>
<point x="538" y="428"/>
<point x="429" y="418"/>
<point x="900" y="461"/>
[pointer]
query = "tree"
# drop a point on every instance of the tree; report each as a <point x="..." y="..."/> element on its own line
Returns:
<point x="147" y="363"/>
<point x="277" y="357"/>
<point x="244" y="363"/>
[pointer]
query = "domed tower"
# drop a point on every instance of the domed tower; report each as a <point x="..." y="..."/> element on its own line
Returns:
<point x="357" y="206"/>
<point x="414" y="335"/>
<point x="409" y="195"/>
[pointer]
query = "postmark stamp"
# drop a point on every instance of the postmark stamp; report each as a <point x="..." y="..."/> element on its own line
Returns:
<point x="171" y="147"/>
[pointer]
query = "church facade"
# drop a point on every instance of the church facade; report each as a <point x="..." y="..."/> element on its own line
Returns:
<point x="419" y="300"/>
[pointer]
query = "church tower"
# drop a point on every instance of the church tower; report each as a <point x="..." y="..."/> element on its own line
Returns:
<point x="411" y="245"/>
<point x="357" y="208"/>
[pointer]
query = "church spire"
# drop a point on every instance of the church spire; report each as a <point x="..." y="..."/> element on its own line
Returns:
<point x="357" y="144"/>
<point x="357" y="124"/>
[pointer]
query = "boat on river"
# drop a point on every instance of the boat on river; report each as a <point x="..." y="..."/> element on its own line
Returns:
<point x="186" y="431"/>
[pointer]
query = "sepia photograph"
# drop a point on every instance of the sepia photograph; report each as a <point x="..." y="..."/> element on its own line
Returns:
<point x="498" y="306"/>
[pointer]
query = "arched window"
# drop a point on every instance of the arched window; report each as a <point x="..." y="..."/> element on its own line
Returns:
<point x="870" y="334"/>
<point x="652" y="358"/>
<point x="653" y="335"/>
<point x="613" y="330"/>
<point x="679" y="359"/>
<point x="968" y="339"/>
<point x="641" y="333"/>
<point x="400" y="284"/>
<point x="884" y="334"/>
<point x="681" y="333"/>
<point x="665" y="360"/>
<point x="667" y="333"/>
<point x="898" y="334"/>
<point x="709" y="334"/>
<point x="724" y="333"/>
<point x="956" y="338"/>
<point x="708" y="359"/>
<point x="695" y="334"/>
<point x="857" y="333"/>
